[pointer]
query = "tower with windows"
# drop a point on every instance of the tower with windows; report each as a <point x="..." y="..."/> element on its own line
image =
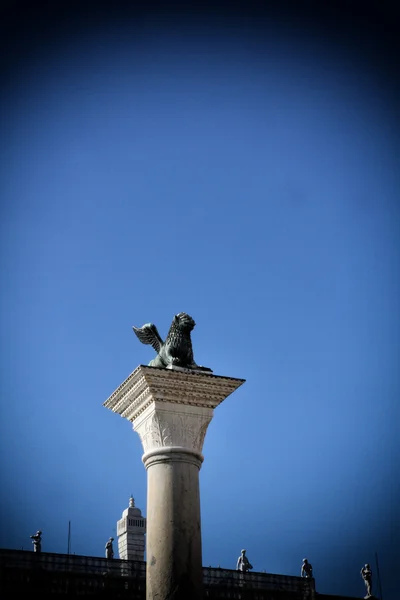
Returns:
<point x="131" y="529"/>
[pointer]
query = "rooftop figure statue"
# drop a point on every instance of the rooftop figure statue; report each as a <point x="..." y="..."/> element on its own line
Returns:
<point x="306" y="569"/>
<point x="243" y="563"/>
<point x="366" y="574"/>
<point x="177" y="349"/>
<point x="37" y="541"/>
<point x="109" y="548"/>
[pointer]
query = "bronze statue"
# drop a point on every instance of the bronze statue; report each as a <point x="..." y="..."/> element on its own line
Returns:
<point x="37" y="541"/>
<point x="177" y="349"/>
<point x="243" y="563"/>
<point x="366" y="574"/>
<point x="109" y="548"/>
<point x="306" y="569"/>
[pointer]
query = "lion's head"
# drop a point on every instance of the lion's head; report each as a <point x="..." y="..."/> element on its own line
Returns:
<point x="184" y="322"/>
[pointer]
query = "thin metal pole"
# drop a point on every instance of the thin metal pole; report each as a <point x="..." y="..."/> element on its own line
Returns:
<point x="379" y="577"/>
<point x="69" y="537"/>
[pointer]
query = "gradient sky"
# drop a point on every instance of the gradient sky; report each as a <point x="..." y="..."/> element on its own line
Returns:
<point x="247" y="176"/>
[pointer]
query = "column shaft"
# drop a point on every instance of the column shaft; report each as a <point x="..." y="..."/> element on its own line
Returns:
<point x="174" y="565"/>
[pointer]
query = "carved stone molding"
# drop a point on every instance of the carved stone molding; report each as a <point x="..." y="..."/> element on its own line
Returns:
<point x="164" y="424"/>
<point x="148" y="384"/>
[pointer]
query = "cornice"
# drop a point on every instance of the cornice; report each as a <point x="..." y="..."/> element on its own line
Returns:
<point x="147" y="384"/>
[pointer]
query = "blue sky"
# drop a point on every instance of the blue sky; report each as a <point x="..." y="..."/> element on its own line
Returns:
<point x="251" y="182"/>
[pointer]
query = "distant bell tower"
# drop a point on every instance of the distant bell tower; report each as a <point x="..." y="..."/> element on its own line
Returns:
<point x="131" y="529"/>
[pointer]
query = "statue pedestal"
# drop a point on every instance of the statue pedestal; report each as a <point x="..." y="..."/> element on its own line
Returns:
<point x="171" y="409"/>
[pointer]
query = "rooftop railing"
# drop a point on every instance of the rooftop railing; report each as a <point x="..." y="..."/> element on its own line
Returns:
<point x="93" y="565"/>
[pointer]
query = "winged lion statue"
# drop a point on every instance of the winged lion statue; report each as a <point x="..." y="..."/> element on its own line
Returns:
<point x="177" y="349"/>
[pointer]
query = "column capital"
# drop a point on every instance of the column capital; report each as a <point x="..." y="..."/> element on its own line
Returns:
<point x="173" y="426"/>
<point x="171" y="407"/>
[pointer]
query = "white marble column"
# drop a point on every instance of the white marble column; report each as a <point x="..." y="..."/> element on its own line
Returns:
<point x="171" y="409"/>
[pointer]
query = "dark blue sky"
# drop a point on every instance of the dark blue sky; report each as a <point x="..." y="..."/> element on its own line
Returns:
<point x="248" y="176"/>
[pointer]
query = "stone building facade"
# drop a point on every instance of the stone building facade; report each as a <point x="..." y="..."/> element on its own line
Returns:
<point x="48" y="575"/>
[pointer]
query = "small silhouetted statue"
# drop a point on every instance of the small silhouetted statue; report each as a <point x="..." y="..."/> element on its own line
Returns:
<point x="37" y="541"/>
<point x="109" y="548"/>
<point x="366" y="574"/>
<point x="306" y="569"/>
<point x="243" y="563"/>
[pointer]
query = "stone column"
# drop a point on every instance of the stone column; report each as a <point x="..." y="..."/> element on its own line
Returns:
<point x="171" y="409"/>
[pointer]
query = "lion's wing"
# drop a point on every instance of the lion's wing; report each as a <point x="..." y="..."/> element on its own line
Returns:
<point x="148" y="334"/>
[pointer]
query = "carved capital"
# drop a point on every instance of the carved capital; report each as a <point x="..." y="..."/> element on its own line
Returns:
<point x="166" y="425"/>
<point x="171" y="408"/>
